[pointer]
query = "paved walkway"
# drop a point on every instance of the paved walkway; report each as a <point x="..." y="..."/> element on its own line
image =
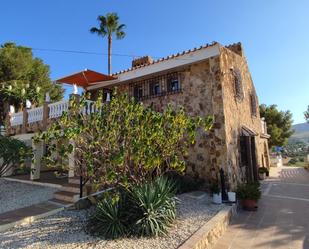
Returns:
<point x="282" y="219"/>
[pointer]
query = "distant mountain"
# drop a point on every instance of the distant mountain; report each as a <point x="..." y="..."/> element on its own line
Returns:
<point x="301" y="133"/>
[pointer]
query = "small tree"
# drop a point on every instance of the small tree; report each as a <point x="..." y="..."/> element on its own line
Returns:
<point x="122" y="142"/>
<point x="23" y="76"/>
<point x="13" y="153"/>
<point x="279" y="124"/>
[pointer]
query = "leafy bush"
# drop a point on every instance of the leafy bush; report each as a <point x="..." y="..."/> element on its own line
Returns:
<point x="214" y="187"/>
<point x="301" y="159"/>
<point x="13" y="152"/>
<point x="249" y="191"/>
<point x="154" y="207"/>
<point x="129" y="144"/>
<point x="293" y="161"/>
<point x="144" y="210"/>
<point x="263" y="170"/>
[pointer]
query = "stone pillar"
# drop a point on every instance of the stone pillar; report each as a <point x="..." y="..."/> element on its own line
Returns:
<point x="38" y="151"/>
<point x="45" y="115"/>
<point x="72" y="161"/>
<point x="25" y="121"/>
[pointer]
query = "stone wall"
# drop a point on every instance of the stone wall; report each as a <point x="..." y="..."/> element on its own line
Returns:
<point x="200" y="95"/>
<point x="208" y="89"/>
<point x="238" y="113"/>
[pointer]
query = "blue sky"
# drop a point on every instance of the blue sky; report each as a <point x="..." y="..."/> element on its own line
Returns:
<point x="274" y="34"/>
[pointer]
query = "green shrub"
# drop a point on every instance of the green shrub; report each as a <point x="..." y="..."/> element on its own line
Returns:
<point x="109" y="220"/>
<point x="144" y="210"/>
<point x="153" y="207"/>
<point x="301" y="159"/>
<point x="293" y="161"/>
<point x="263" y="170"/>
<point x="249" y="191"/>
<point x="214" y="187"/>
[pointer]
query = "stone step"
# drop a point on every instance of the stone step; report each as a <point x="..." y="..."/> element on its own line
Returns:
<point x="74" y="180"/>
<point x="71" y="187"/>
<point x="60" y="202"/>
<point x="66" y="196"/>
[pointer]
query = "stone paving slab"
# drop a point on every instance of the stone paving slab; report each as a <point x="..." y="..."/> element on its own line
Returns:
<point x="282" y="219"/>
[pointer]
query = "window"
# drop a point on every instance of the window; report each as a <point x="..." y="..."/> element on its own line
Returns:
<point x="253" y="104"/>
<point x="239" y="94"/>
<point x="173" y="83"/>
<point x="138" y="92"/>
<point x="156" y="86"/>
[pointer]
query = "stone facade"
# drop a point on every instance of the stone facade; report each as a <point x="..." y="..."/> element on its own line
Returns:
<point x="207" y="88"/>
<point x="238" y="112"/>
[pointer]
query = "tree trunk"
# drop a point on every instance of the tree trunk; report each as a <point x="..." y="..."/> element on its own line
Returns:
<point x="109" y="55"/>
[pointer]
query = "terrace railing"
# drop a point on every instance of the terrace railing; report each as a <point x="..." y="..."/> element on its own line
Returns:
<point x="35" y="115"/>
<point x="40" y="115"/>
<point x="16" y="119"/>
<point x="56" y="109"/>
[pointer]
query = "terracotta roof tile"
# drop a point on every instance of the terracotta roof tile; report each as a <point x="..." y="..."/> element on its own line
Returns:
<point x="166" y="58"/>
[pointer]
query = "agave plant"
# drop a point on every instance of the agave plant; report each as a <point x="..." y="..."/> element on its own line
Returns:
<point x="108" y="221"/>
<point x="153" y="207"/>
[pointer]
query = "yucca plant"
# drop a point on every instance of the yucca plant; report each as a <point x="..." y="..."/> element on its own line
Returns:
<point x="109" y="219"/>
<point x="153" y="207"/>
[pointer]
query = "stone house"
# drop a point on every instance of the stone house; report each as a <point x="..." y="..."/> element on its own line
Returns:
<point x="209" y="80"/>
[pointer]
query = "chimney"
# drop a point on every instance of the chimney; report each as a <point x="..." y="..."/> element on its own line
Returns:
<point x="145" y="60"/>
<point x="236" y="48"/>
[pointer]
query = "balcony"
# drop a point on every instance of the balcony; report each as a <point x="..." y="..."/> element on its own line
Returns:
<point x="38" y="119"/>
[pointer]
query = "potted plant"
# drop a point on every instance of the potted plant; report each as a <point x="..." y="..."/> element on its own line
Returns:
<point x="263" y="171"/>
<point x="231" y="194"/>
<point x="249" y="194"/>
<point x="216" y="193"/>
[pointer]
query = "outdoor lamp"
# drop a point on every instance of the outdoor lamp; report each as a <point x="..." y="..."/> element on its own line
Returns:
<point x="12" y="109"/>
<point x="108" y="97"/>
<point x="47" y="97"/>
<point x="28" y="104"/>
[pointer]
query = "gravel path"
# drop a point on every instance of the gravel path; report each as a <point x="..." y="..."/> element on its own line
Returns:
<point x="14" y="195"/>
<point x="65" y="230"/>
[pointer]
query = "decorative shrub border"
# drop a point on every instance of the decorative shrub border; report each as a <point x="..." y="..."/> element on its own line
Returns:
<point x="208" y="234"/>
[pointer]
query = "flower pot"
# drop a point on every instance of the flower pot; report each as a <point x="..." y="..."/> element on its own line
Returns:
<point x="262" y="176"/>
<point x="249" y="204"/>
<point x="231" y="196"/>
<point x="217" y="198"/>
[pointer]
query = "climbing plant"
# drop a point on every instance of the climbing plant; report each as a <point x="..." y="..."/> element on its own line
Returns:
<point x="122" y="142"/>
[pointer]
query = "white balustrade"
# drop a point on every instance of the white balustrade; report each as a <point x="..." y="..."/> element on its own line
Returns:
<point x="16" y="119"/>
<point x="56" y="109"/>
<point x="35" y="115"/>
<point x="89" y="108"/>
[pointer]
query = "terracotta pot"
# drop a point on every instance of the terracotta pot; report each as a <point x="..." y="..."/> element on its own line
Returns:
<point x="248" y="204"/>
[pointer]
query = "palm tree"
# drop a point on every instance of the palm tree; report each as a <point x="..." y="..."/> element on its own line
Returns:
<point x="109" y="25"/>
